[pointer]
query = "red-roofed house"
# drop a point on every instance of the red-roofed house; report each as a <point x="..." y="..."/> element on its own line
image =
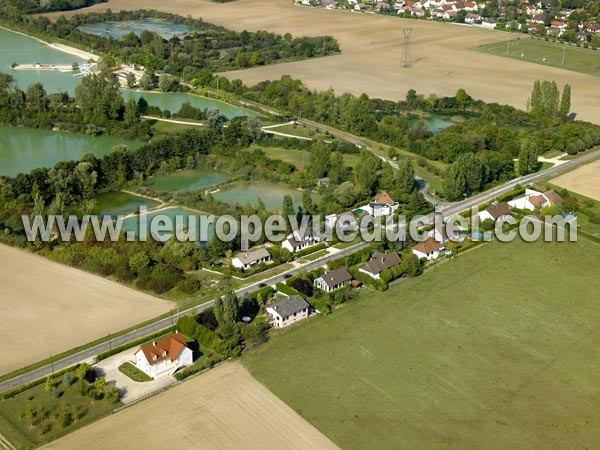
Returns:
<point x="164" y="356"/>
<point x="534" y="199"/>
<point x="429" y="249"/>
<point x="383" y="205"/>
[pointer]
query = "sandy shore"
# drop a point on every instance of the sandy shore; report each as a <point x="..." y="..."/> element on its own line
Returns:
<point x="60" y="47"/>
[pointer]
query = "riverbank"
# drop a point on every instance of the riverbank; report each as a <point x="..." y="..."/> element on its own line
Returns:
<point x="60" y="47"/>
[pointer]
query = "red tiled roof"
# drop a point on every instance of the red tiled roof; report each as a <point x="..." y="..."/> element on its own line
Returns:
<point x="168" y="347"/>
<point x="384" y="199"/>
<point x="428" y="246"/>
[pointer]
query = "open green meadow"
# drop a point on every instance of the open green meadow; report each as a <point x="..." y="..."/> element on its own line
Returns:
<point x="301" y="158"/>
<point x="494" y="349"/>
<point x="548" y="53"/>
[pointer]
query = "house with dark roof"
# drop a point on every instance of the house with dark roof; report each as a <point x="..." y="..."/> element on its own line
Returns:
<point x="333" y="280"/>
<point x="246" y="260"/>
<point x="499" y="211"/>
<point x="287" y="311"/>
<point x="379" y="263"/>
<point x="429" y="249"/>
<point x="164" y="356"/>
<point x="299" y="240"/>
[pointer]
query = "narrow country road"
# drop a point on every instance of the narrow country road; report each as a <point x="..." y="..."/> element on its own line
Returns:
<point x="90" y="353"/>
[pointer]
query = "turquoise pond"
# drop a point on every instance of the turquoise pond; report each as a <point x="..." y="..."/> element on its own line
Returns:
<point x="176" y="219"/>
<point x="121" y="204"/>
<point x="271" y="194"/>
<point x="117" y="30"/>
<point x="186" y="180"/>
<point x="25" y="149"/>
<point x="435" y="124"/>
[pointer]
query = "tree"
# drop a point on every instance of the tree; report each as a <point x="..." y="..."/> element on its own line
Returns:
<point x="319" y="163"/>
<point x="99" y="97"/>
<point x="132" y="113"/>
<point x="130" y="78"/>
<point x="565" y="103"/>
<point x="337" y="170"/>
<point x="146" y="82"/>
<point x="528" y="157"/>
<point x="307" y="203"/>
<point x="167" y="83"/>
<point x="411" y="265"/>
<point x="406" y="176"/>
<point x="472" y="171"/>
<point x="454" y="182"/>
<point x="346" y="194"/>
<point x="214" y="119"/>
<point x="463" y="99"/>
<point x="227" y="309"/>
<point x="139" y="262"/>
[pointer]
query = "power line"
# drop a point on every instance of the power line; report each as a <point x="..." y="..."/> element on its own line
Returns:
<point x="406" y="50"/>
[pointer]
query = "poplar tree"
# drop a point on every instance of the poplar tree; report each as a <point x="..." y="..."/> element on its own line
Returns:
<point x="565" y="102"/>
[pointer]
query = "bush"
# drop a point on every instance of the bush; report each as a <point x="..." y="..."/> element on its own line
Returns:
<point x="12" y="392"/>
<point x="310" y="250"/>
<point x="302" y="285"/>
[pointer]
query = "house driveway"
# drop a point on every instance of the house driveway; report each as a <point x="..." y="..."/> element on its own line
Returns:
<point x="131" y="391"/>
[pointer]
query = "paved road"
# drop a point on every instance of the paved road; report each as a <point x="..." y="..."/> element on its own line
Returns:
<point x="90" y="353"/>
<point x="448" y="209"/>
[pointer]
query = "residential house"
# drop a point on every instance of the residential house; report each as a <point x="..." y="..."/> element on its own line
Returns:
<point x="449" y="15"/>
<point x="287" y="311"/>
<point x="379" y="263"/>
<point x="299" y="240"/>
<point x="447" y="232"/>
<point x="360" y="7"/>
<point x="471" y="18"/>
<point x="539" y="18"/>
<point x="345" y="221"/>
<point x="489" y="24"/>
<point x="499" y="211"/>
<point x="164" y="356"/>
<point x="591" y="27"/>
<point x="248" y="259"/>
<point x="536" y="200"/>
<point x="383" y="205"/>
<point x="333" y="280"/>
<point x="429" y="249"/>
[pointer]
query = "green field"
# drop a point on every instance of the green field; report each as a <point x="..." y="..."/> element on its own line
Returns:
<point x="577" y="59"/>
<point x="495" y="349"/>
<point x="134" y="373"/>
<point x="300" y="158"/>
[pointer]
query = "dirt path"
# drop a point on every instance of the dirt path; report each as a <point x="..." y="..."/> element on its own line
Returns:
<point x="372" y="49"/>
<point x="224" y="408"/>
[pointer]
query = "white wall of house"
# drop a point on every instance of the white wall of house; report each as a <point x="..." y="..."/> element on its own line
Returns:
<point x="375" y="276"/>
<point x="431" y="255"/>
<point x="277" y="321"/>
<point x="164" y="367"/>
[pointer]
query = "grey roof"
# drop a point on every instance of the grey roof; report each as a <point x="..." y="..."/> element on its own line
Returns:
<point x="256" y="255"/>
<point x="381" y="262"/>
<point x="499" y="210"/>
<point x="290" y="305"/>
<point x="336" y="277"/>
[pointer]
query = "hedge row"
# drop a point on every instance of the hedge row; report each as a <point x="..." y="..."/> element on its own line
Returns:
<point x="182" y="375"/>
<point x="310" y="250"/>
<point x="145" y="339"/>
<point x="285" y="289"/>
<point x="12" y="392"/>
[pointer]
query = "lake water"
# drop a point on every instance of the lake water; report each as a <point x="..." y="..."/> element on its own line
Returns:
<point x="121" y="204"/>
<point x="16" y="48"/>
<point x="187" y="180"/>
<point x="435" y="124"/>
<point x="118" y="29"/>
<point x="173" y="101"/>
<point x="270" y="193"/>
<point x="179" y="218"/>
<point x="25" y="149"/>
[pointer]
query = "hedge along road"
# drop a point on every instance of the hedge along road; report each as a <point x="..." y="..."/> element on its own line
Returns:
<point x="90" y="353"/>
<point x="454" y="208"/>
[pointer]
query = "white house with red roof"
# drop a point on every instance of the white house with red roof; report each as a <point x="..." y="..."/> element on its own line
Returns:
<point x="164" y="356"/>
<point x="383" y="205"/>
<point x="534" y="199"/>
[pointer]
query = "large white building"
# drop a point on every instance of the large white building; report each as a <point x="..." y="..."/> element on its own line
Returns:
<point x="534" y="199"/>
<point x="164" y="356"/>
<point x="383" y="205"/>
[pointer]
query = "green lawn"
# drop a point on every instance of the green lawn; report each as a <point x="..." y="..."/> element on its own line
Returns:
<point x="134" y="373"/>
<point x="315" y="255"/>
<point x="577" y="59"/>
<point x="34" y="416"/>
<point x="301" y="158"/>
<point x="494" y="349"/>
